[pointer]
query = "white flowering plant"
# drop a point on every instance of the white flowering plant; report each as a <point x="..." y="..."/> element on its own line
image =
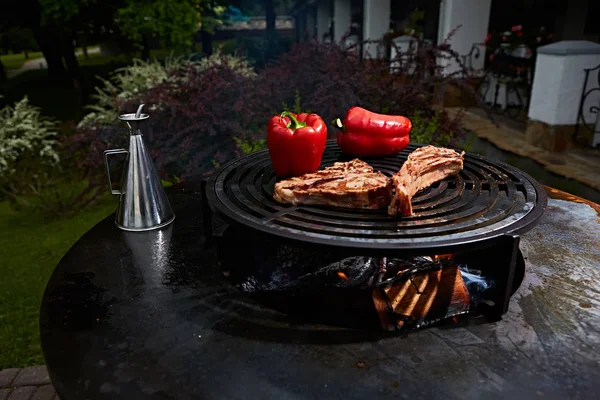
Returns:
<point x="28" y="152"/>
<point x="236" y="64"/>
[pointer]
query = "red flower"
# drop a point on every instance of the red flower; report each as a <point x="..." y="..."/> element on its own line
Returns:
<point x="520" y="34"/>
<point x="491" y="57"/>
<point x="549" y="36"/>
<point x="517" y="28"/>
<point x="514" y="28"/>
<point x="504" y="38"/>
<point x="487" y="38"/>
<point x="527" y="52"/>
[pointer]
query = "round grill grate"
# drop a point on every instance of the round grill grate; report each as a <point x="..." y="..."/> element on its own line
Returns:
<point x="486" y="200"/>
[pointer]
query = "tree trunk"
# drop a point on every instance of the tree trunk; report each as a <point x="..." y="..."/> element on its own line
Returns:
<point x="3" y="77"/>
<point x="26" y="52"/>
<point x="48" y="42"/>
<point x="68" y="52"/>
<point x="146" y="48"/>
<point x="207" y="44"/>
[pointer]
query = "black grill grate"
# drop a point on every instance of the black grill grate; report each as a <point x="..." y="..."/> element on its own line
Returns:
<point x="486" y="200"/>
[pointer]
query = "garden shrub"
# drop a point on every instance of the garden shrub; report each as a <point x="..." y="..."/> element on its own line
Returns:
<point x="28" y="153"/>
<point x="124" y="84"/>
<point x="193" y="119"/>
<point x="426" y="129"/>
<point x="205" y="113"/>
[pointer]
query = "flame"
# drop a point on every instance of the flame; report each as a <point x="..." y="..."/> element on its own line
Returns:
<point x="443" y="257"/>
<point x="342" y="275"/>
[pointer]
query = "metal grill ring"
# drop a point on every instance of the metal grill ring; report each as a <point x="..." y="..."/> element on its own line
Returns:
<point x="487" y="199"/>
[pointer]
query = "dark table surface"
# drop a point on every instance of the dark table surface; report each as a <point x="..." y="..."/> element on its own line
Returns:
<point x="149" y="315"/>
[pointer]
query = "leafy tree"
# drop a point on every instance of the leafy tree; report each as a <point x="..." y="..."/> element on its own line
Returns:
<point x="18" y="40"/>
<point x="58" y="23"/>
<point x="172" y="22"/>
<point x="49" y="21"/>
<point x="55" y="24"/>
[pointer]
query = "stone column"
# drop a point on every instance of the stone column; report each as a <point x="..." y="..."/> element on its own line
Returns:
<point x="376" y="22"/>
<point x="474" y="16"/>
<point x="342" y="19"/>
<point x="323" y="18"/>
<point x="556" y="93"/>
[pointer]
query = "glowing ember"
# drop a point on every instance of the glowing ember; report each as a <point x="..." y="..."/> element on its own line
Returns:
<point x="342" y="275"/>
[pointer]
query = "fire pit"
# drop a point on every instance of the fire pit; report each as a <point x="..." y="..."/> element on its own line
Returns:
<point x="463" y="237"/>
<point x="151" y="315"/>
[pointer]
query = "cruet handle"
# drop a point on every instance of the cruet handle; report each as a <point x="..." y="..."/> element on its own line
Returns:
<point x="106" y="154"/>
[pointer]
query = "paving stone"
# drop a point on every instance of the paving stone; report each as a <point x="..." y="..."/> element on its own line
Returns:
<point x="22" y="393"/>
<point x="579" y="164"/>
<point x="4" y="393"/>
<point x="7" y="376"/>
<point x="45" y="392"/>
<point x="32" y="376"/>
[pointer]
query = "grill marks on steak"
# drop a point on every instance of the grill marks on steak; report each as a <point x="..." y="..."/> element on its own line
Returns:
<point x="423" y="167"/>
<point x="352" y="184"/>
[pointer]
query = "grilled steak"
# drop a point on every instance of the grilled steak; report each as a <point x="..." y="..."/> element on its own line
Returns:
<point x="423" y="167"/>
<point x="351" y="184"/>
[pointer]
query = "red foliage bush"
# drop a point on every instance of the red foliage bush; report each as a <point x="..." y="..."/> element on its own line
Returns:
<point x="196" y="117"/>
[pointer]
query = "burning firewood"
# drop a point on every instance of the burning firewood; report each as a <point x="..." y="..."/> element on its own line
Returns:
<point x="422" y="299"/>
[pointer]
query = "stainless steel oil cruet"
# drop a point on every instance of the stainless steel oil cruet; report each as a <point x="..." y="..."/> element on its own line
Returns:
<point x="143" y="203"/>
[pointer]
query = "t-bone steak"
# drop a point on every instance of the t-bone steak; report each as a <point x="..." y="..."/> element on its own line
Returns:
<point x="352" y="184"/>
<point x="423" y="167"/>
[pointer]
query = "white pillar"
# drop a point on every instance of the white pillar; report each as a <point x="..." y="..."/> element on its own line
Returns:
<point x="376" y="23"/>
<point x="556" y="92"/>
<point x="474" y="16"/>
<point x="341" y="18"/>
<point x="323" y="19"/>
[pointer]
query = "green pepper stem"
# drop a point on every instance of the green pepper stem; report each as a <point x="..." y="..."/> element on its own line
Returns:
<point x="339" y="124"/>
<point x="294" y="123"/>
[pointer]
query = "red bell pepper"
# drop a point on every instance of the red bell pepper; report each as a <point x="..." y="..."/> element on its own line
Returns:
<point x="296" y="143"/>
<point x="367" y="134"/>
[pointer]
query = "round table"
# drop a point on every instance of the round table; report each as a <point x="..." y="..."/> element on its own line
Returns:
<point x="150" y="316"/>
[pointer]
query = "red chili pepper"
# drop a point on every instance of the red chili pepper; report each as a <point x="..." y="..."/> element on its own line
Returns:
<point x="367" y="134"/>
<point x="296" y="143"/>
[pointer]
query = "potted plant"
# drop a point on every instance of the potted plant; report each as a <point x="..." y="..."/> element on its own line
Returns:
<point x="517" y="42"/>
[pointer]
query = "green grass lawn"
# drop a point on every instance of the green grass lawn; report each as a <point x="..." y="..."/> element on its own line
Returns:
<point x="30" y="248"/>
<point x="16" y="61"/>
